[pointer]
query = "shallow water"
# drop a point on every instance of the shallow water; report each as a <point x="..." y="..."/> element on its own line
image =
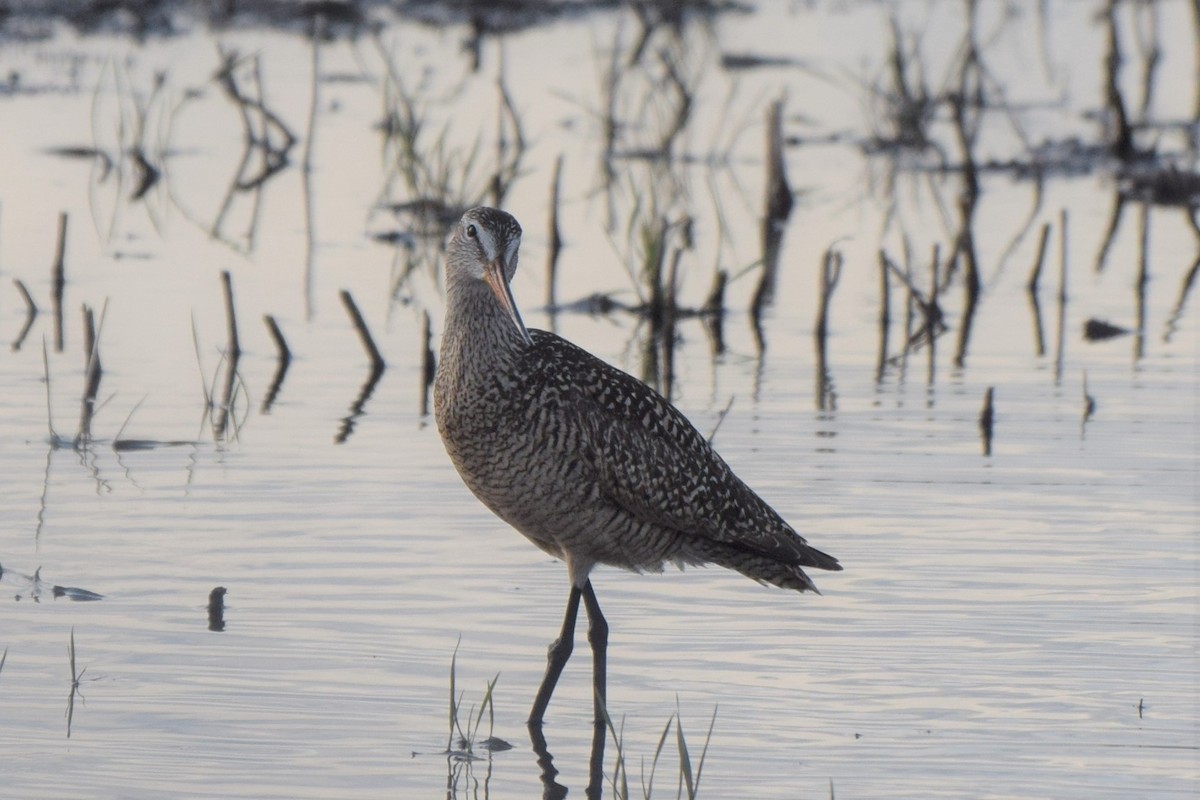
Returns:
<point x="1019" y="624"/>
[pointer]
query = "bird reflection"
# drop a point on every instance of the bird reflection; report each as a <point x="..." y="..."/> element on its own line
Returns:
<point x="551" y="788"/>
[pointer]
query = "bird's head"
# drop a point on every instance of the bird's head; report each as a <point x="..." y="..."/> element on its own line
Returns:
<point x="484" y="247"/>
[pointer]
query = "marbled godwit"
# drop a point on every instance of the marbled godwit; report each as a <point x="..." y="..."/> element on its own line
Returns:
<point x="590" y="464"/>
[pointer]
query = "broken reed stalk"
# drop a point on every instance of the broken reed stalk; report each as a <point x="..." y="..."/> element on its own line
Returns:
<point x="1035" y="276"/>
<point x="285" y="359"/>
<point x="885" y="316"/>
<point x="233" y="354"/>
<point x="285" y="354"/>
<point x="1120" y="134"/>
<point x="931" y="314"/>
<point x="30" y="305"/>
<point x="428" y="364"/>
<point x="235" y="348"/>
<point x="714" y="311"/>
<point x="360" y="325"/>
<point x="91" y="350"/>
<point x="667" y="337"/>
<point x="1032" y="289"/>
<point x="1060" y="345"/>
<point x="831" y="271"/>
<point x="986" y="418"/>
<point x="777" y="207"/>
<point x="31" y="312"/>
<point x="555" y="237"/>
<point x="715" y="302"/>
<point x="779" y="194"/>
<point x="59" y="280"/>
<point x="656" y="255"/>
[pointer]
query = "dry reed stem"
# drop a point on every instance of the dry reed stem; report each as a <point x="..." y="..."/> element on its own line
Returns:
<point x="555" y="236"/>
<point x="364" y="334"/>
<point x="59" y="280"/>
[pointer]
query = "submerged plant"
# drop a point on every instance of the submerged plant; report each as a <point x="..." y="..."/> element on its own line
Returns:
<point x="464" y="738"/>
<point x="688" y="777"/>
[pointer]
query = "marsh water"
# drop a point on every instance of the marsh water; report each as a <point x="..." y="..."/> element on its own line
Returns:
<point x="1018" y="615"/>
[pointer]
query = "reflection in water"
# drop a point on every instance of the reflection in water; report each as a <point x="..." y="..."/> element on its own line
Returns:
<point x="986" y="419"/>
<point x="1031" y="289"/>
<point x="358" y="408"/>
<point x="831" y="272"/>
<point x="264" y="134"/>
<point x="31" y="587"/>
<point x="285" y="360"/>
<point x="221" y="407"/>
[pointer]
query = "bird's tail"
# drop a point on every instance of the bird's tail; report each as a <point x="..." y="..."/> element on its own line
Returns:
<point x="764" y="568"/>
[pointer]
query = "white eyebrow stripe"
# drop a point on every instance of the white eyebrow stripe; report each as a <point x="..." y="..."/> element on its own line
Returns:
<point x="487" y="241"/>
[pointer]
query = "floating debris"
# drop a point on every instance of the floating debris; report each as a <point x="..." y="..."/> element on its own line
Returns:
<point x="216" y="609"/>
<point x="1097" y="330"/>
<point x="75" y="593"/>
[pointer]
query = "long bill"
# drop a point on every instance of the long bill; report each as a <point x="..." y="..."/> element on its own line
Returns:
<point x="495" y="274"/>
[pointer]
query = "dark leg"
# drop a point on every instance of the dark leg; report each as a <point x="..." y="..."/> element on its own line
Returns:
<point x="598" y="637"/>
<point x="560" y="651"/>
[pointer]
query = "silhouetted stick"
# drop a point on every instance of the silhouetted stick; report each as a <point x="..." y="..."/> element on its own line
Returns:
<point x="59" y="280"/>
<point x="555" y="237"/>
<point x="1110" y="231"/>
<point x="931" y="321"/>
<point x="235" y="348"/>
<point x="1185" y="289"/>
<point x="1120" y="134"/>
<point x="1035" y="276"/>
<point x="233" y="354"/>
<point x="713" y="312"/>
<point x="1032" y="288"/>
<point x="428" y="365"/>
<point x="1089" y="402"/>
<point x="831" y="271"/>
<point x="285" y="354"/>
<point x="216" y="609"/>
<point x="285" y="360"/>
<point x="885" y="316"/>
<point x="667" y="337"/>
<point x="31" y="312"/>
<point x="777" y="207"/>
<point x="91" y="349"/>
<point x="508" y="166"/>
<point x="656" y="256"/>
<point x="377" y="362"/>
<point x="1143" y="279"/>
<point x="986" y="418"/>
<point x="1062" y="297"/>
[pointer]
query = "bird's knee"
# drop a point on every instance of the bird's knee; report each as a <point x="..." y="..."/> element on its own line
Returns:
<point x="560" y="649"/>
<point x="598" y="634"/>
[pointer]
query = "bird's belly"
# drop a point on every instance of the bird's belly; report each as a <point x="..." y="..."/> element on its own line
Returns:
<point x="562" y="511"/>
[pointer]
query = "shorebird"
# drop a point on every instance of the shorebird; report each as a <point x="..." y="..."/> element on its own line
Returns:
<point x="590" y="464"/>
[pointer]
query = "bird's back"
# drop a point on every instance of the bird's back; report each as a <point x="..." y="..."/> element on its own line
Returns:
<point x="594" y="466"/>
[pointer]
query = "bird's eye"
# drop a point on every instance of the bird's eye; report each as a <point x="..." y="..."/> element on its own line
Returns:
<point x="471" y="232"/>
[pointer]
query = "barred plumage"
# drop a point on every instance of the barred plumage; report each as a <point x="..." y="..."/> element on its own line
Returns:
<point x="589" y="463"/>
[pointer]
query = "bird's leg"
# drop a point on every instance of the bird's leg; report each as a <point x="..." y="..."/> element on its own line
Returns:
<point x="556" y="658"/>
<point x="598" y="637"/>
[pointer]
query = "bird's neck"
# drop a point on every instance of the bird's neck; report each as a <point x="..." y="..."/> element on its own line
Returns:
<point x="477" y="328"/>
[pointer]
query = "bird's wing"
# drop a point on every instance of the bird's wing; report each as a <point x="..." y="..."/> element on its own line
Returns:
<point x="651" y="461"/>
